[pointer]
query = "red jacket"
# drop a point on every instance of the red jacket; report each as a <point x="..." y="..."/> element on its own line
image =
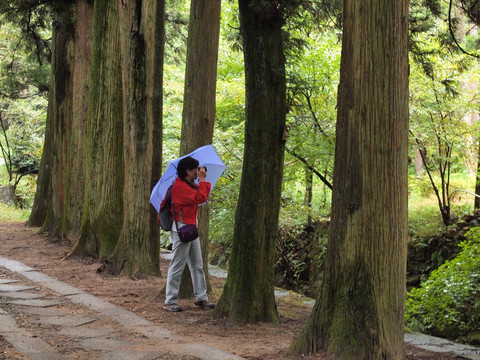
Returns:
<point x="187" y="199"/>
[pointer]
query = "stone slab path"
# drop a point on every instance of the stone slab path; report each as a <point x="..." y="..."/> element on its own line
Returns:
<point x="46" y="319"/>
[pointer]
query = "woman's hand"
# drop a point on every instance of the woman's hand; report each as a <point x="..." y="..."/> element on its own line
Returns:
<point x="202" y="174"/>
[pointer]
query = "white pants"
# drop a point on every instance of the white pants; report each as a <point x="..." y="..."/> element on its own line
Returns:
<point x="185" y="253"/>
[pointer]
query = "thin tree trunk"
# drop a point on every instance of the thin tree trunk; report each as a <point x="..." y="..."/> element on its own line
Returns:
<point x="477" y="183"/>
<point x="308" y="194"/>
<point x="248" y="293"/>
<point x="359" y="312"/>
<point x="418" y="160"/>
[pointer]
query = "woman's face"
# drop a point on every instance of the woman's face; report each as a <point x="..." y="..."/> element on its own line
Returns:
<point x="192" y="174"/>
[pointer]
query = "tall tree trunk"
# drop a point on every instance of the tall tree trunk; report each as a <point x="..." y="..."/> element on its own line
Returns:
<point x="49" y="199"/>
<point x="104" y="169"/>
<point x="248" y="293"/>
<point x="75" y="177"/>
<point x="359" y="312"/>
<point x="198" y="116"/>
<point x="142" y="38"/>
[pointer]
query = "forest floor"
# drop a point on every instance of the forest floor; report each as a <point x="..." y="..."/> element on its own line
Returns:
<point x="144" y="298"/>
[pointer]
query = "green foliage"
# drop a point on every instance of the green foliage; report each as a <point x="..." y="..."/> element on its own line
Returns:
<point x="26" y="119"/>
<point x="176" y="31"/>
<point x="311" y="98"/>
<point x="25" y="192"/>
<point x="25" y="48"/>
<point x="24" y="78"/>
<point x="3" y="174"/>
<point x="23" y="128"/>
<point x="442" y="102"/>
<point x="448" y="303"/>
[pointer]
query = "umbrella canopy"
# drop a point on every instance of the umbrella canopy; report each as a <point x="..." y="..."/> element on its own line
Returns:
<point x="206" y="156"/>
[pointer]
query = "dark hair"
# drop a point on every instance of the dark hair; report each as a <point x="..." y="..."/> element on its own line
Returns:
<point x="187" y="163"/>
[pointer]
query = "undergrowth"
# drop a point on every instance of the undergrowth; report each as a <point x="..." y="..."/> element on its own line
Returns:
<point x="448" y="303"/>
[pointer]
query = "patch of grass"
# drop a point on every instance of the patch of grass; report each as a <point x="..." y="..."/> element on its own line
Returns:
<point x="288" y="306"/>
<point x="424" y="221"/>
<point x="424" y="218"/>
<point x="11" y="213"/>
<point x="3" y="175"/>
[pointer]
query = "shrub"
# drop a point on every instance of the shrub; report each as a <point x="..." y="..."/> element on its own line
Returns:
<point x="448" y="303"/>
<point x="25" y="192"/>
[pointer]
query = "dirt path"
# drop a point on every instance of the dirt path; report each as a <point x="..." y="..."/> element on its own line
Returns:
<point x="142" y="299"/>
<point x="44" y="318"/>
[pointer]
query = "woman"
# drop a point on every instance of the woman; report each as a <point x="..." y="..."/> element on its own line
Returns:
<point x="186" y="196"/>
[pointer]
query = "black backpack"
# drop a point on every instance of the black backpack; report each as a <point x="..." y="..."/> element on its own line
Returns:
<point x="164" y="219"/>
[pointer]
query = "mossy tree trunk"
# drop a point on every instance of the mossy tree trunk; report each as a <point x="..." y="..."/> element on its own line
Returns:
<point x="142" y="38"/>
<point x="49" y="202"/>
<point x="75" y="184"/>
<point x="248" y="294"/>
<point x="359" y="312"/>
<point x="104" y="168"/>
<point x="102" y="153"/>
<point x="198" y="116"/>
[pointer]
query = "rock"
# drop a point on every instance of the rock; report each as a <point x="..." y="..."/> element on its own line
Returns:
<point x="7" y="194"/>
<point x="475" y="222"/>
<point x="450" y="233"/>
<point x="468" y="218"/>
<point x="461" y="224"/>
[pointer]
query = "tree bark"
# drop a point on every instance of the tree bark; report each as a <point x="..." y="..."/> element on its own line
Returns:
<point x="104" y="168"/>
<point x="75" y="169"/>
<point x="49" y="204"/>
<point x="359" y="312"/>
<point x="248" y="294"/>
<point x="103" y="145"/>
<point x="198" y="116"/>
<point x="142" y="39"/>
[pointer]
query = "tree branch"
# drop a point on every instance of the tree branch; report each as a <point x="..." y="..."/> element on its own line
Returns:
<point x="450" y="28"/>
<point x="310" y="167"/>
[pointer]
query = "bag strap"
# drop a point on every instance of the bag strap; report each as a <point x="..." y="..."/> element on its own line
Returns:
<point x="174" y="213"/>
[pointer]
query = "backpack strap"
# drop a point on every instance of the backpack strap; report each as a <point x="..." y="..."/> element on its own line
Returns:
<point x="175" y="214"/>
